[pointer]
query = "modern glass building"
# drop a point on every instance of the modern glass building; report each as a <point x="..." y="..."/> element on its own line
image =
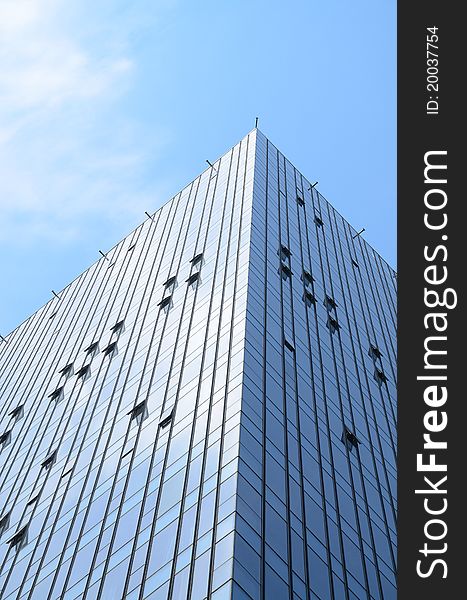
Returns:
<point x="209" y="410"/>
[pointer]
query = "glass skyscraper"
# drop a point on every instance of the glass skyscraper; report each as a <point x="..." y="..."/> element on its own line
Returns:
<point x="209" y="410"/>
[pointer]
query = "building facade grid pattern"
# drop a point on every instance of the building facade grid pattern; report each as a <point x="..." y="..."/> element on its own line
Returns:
<point x="316" y="514"/>
<point x="209" y="410"/>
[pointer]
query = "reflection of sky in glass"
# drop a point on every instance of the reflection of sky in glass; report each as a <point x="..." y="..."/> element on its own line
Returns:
<point x="245" y="396"/>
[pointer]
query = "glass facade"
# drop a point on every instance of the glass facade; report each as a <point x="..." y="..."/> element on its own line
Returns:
<point x="209" y="410"/>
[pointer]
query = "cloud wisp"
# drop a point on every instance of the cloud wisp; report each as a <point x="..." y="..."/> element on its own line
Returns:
<point x="68" y="153"/>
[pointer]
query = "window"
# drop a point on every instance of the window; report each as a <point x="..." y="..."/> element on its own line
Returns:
<point x="48" y="463"/>
<point x="67" y="472"/>
<point x="289" y="346"/>
<point x="307" y="278"/>
<point x="285" y="271"/>
<point x="300" y="200"/>
<point x="374" y="352"/>
<point x="111" y="350"/>
<point x="166" y="303"/>
<point x="128" y="452"/>
<point x="197" y="259"/>
<point x="5" y="439"/>
<point x="329" y="303"/>
<point x="68" y="467"/>
<point x="318" y="221"/>
<point x="20" y="539"/>
<point x="132" y="247"/>
<point x="308" y="298"/>
<point x="284" y="253"/>
<point x="139" y="412"/>
<point x="67" y="371"/>
<point x="355" y="263"/>
<point x="92" y="350"/>
<point x="52" y="315"/>
<point x="170" y="284"/>
<point x="349" y="439"/>
<point x="332" y="324"/>
<point x="193" y="279"/>
<point x="119" y="327"/>
<point x="166" y="417"/>
<point x="4" y="523"/>
<point x="380" y="377"/>
<point x="84" y="373"/>
<point x="57" y="394"/>
<point x="17" y="413"/>
<point x="33" y="500"/>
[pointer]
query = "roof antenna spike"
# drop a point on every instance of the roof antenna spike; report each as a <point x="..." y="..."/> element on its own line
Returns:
<point x="256" y="122"/>
<point x="103" y="254"/>
<point x="56" y="295"/>
<point x="213" y="168"/>
<point x="358" y="233"/>
<point x="3" y="339"/>
<point x="312" y="186"/>
<point x="146" y="213"/>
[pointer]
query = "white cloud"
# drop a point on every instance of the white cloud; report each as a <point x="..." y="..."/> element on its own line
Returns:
<point x="42" y="65"/>
<point x="18" y="14"/>
<point x="67" y="153"/>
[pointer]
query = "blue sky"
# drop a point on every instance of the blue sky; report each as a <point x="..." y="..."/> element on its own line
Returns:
<point x="108" y="108"/>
